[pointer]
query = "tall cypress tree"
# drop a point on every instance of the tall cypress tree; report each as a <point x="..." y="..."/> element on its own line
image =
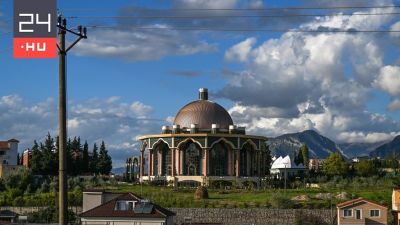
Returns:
<point x="305" y="154"/>
<point x="95" y="157"/>
<point x="85" y="158"/>
<point x="104" y="164"/>
<point x="49" y="158"/>
<point x="35" y="161"/>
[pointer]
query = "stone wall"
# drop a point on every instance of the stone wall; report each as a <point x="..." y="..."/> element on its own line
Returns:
<point x="250" y="216"/>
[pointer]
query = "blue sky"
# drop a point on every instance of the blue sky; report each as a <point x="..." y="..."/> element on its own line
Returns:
<point x="123" y="82"/>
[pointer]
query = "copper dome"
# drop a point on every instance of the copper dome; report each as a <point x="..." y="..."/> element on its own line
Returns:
<point x="204" y="113"/>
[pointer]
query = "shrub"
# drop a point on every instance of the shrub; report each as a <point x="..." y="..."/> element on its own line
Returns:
<point x="201" y="193"/>
<point x="280" y="201"/>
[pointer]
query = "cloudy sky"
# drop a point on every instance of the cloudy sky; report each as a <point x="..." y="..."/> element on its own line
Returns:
<point x="145" y="59"/>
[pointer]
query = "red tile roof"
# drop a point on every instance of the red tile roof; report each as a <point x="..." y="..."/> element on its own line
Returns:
<point x="4" y="145"/>
<point x="108" y="209"/>
<point x="355" y="201"/>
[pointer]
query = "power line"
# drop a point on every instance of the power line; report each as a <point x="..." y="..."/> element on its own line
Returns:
<point x="228" y="16"/>
<point x="249" y="9"/>
<point x="246" y="29"/>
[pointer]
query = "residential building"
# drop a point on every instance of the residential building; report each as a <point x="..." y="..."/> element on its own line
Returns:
<point x="285" y="167"/>
<point x="8" y="156"/>
<point x="26" y="157"/>
<point x="101" y="207"/>
<point x="9" y="152"/>
<point x="396" y="205"/>
<point x="7" y="217"/>
<point x="316" y="164"/>
<point x="361" y="212"/>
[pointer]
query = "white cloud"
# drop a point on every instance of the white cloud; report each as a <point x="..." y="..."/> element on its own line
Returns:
<point x="140" y="45"/>
<point x="395" y="27"/>
<point x="389" y="80"/>
<point x="394" y="105"/>
<point x="240" y="51"/>
<point x="205" y="4"/>
<point x="316" y="81"/>
<point x="117" y="123"/>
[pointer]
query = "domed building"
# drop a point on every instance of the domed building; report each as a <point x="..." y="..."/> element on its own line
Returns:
<point x="203" y="144"/>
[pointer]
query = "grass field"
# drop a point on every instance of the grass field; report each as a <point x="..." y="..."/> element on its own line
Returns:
<point x="184" y="197"/>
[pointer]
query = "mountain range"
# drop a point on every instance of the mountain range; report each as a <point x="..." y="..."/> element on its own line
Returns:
<point x="321" y="146"/>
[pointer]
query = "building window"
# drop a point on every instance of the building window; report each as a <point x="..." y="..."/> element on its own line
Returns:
<point x="131" y="205"/>
<point x="374" y="213"/>
<point x="358" y="214"/>
<point x="121" y="205"/>
<point x="2" y="152"/>
<point x="347" y="213"/>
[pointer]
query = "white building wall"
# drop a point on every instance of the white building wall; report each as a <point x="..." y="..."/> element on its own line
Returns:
<point x="12" y="153"/>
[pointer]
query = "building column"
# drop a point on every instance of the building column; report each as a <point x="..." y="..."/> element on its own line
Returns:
<point x="205" y="162"/>
<point x="259" y="163"/>
<point x="237" y="152"/>
<point x="230" y="162"/>
<point x="179" y="162"/>
<point x="150" y="166"/>
<point x="159" y="157"/>
<point x="141" y="163"/>
<point x="173" y="161"/>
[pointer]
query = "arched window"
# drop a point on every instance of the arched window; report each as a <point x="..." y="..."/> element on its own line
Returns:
<point x="192" y="159"/>
<point x="218" y="162"/>
<point x="163" y="150"/>
<point x="247" y="161"/>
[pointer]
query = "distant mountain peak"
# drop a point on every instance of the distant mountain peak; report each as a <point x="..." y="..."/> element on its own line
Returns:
<point x="390" y="148"/>
<point x="288" y="144"/>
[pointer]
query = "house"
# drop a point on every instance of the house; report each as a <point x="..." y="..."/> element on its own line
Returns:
<point x="101" y="207"/>
<point x="7" y="217"/>
<point x="285" y="167"/>
<point x="396" y="205"/>
<point x="26" y="157"/>
<point x="8" y="156"/>
<point x="316" y="164"/>
<point x="361" y="212"/>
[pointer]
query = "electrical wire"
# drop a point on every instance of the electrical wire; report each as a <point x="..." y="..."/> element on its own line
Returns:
<point x="252" y="9"/>
<point x="228" y="16"/>
<point x="243" y="29"/>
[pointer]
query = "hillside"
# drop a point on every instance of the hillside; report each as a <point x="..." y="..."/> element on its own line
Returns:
<point x="391" y="148"/>
<point x="319" y="146"/>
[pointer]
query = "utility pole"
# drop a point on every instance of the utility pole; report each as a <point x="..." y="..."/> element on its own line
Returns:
<point x="62" y="116"/>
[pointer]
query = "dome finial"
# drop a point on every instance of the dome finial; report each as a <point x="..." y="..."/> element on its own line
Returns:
<point x="203" y="94"/>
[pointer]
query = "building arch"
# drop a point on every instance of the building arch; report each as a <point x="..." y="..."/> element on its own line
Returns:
<point x="223" y="140"/>
<point x="158" y="142"/>
<point x="162" y="158"/>
<point x="251" y="142"/>
<point x="248" y="160"/>
<point x="219" y="159"/>
<point x="184" y="142"/>
<point x="192" y="155"/>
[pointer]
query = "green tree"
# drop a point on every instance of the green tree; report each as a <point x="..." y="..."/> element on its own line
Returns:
<point x="49" y="160"/>
<point x="365" y="168"/>
<point x="35" y="162"/>
<point x="299" y="158"/>
<point x="85" y="158"/>
<point x="335" y="165"/>
<point x="267" y="159"/>
<point x="104" y="164"/>
<point x="305" y="154"/>
<point x="93" y="163"/>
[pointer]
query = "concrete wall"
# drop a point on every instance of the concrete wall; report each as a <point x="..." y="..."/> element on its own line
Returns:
<point x="230" y="216"/>
<point x="249" y="216"/>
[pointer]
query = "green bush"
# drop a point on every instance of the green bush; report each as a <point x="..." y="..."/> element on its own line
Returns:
<point x="281" y="201"/>
<point x="201" y="193"/>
